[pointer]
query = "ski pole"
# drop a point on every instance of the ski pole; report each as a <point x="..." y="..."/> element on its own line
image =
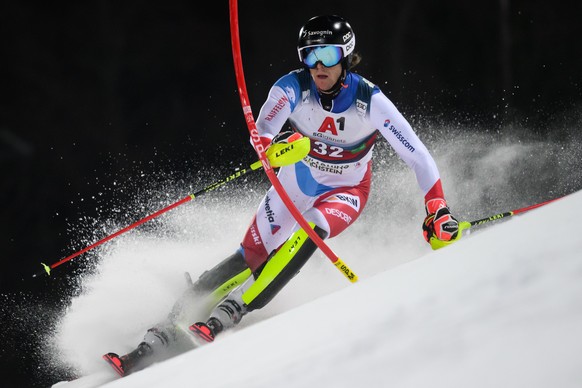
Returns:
<point x="468" y="224"/>
<point x="255" y="166"/>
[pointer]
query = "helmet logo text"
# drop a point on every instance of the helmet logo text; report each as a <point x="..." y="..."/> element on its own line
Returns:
<point x="320" y="33"/>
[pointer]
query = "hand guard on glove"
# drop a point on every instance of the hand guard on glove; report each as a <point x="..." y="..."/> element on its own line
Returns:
<point x="439" y="228"/>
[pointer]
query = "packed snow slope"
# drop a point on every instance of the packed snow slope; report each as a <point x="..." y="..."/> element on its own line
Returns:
<point x="500" y="308"/>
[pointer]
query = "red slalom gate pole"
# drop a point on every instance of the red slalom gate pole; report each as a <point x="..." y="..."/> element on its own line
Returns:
<point x="248" y="114"/>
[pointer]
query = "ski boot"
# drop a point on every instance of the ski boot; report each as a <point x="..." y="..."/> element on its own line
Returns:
<point x="128" y="363"/>
<point x="154" y="344"/>
<point x="225" y="316"/>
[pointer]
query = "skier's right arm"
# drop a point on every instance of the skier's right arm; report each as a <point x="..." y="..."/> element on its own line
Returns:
<point x="277" y="108"/>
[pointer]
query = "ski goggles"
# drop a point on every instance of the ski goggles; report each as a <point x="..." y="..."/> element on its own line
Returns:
<point x="328" y="56"/>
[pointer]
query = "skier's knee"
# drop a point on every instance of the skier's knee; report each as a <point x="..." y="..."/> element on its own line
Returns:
<point x="281" y="268"/>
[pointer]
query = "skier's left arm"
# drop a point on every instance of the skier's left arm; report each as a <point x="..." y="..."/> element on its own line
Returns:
<point x="439" y="227"/>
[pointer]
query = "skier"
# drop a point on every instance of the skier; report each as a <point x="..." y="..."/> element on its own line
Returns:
<point x="342" y="114"/>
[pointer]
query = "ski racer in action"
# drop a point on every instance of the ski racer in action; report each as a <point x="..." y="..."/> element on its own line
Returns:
<point x="342" y="114"/>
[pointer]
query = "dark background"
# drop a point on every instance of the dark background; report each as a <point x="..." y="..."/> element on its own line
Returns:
<point x="98" y="96"/>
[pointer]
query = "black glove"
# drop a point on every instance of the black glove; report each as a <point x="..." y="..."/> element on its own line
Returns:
<point x="288" y="136"/>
